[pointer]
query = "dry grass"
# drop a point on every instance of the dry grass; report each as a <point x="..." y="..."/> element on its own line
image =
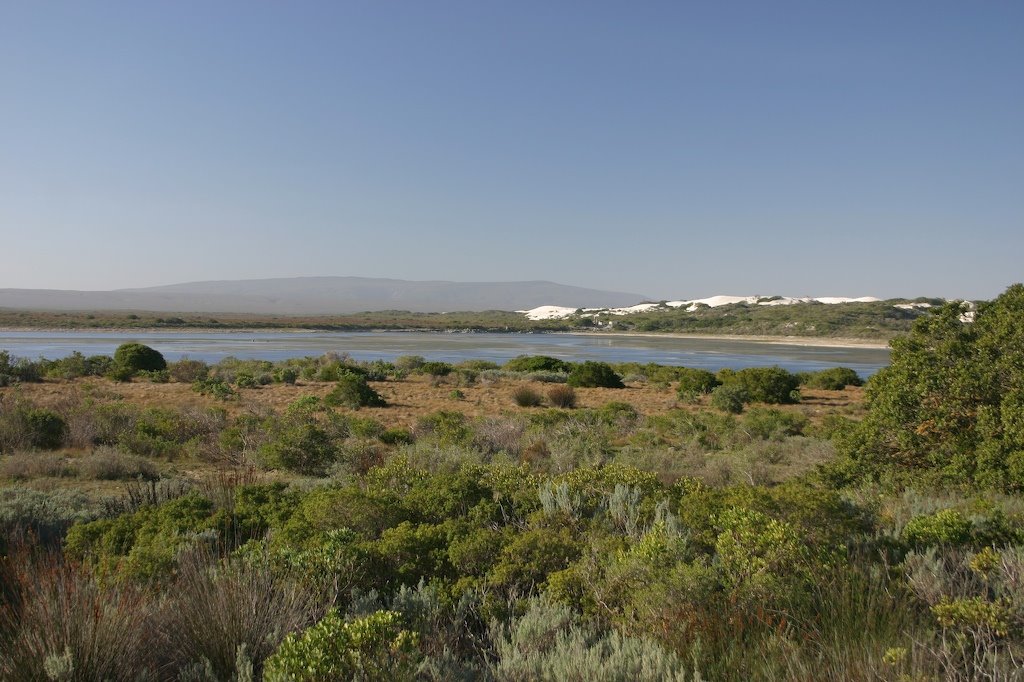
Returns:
<point x="408" y="400"/>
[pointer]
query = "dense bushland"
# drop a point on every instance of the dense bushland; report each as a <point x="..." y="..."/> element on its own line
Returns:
<point x="762" y="540"/>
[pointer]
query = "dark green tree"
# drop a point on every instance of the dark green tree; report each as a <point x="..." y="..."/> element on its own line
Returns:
<point x="952" y="400"/>
<point x="139" y="357"/>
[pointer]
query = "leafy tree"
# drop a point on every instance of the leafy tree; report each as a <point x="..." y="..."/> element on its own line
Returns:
<point x="952" y="399"/>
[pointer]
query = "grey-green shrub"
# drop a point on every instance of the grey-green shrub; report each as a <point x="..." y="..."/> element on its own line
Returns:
<point x="548" y="643"/>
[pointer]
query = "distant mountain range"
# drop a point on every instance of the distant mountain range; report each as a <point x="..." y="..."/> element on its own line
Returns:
<point x="320" y="296"/>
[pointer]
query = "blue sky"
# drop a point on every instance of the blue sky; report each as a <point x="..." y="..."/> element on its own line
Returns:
<point x="672" y="149"/>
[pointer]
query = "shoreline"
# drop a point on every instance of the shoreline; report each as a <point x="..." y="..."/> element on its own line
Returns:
<point x="809" y="341"/>
<point x="805" y="341"/>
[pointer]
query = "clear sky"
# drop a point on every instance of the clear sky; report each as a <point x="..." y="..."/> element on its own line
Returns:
<point x="674" y="149"/>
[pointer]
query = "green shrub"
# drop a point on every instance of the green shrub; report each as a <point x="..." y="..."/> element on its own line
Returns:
<point x="301" y="446"/>
<point x="120" y="373"/>
<point x="448" y="427"/>
<point x="353" y="391"/>
<point x="138" y="357"/>
<point x="772" y="385"/>
<point x="13" y="370"/>
<point x="832" y="379"/>
<point x="593" y="374"/>
<point x="395" y="436"/>
<point x="524" y="396"/>
<point x="286" y="375"/>
<point x="375" y="647"/>
<point x="409" y="363"/>
<point x="729" y="398"/>
<point x="435" y="369"/>
<point x="771" y="424"/>
<point x="214" y="387"/>
<point x="246" y="380"/>
<point x="945" y="527"/>
<point x="695" y="382"/>
<point x="77" y="365"/>
<point x="46" y="428"/>
<point x="537" y="363"/>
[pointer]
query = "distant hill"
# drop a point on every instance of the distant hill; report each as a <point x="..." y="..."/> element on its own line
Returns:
<point x="320" y="296"/>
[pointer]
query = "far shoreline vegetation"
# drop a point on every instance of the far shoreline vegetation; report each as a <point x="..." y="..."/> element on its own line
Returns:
<point x="875" y="321"/>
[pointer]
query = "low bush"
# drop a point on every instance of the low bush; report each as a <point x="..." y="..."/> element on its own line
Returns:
<point x="524" y="396"/>
<point x="46" y="428"/>
<point x="537" y="363"/>
<point x="286" y="375"/>
<point x="772" y="385"/>
<point x="591" y="374"/>
<point x="771" y="424"/>
<point x="302" y="446"/>
<point x="695" y="382"/>
<point x="215" y="388"/>
<point x="374" y="647"/>
<point x="23" y="466"/>
<point x="186" y="371"/>
<point x="409" y="363"/>
<point x="45" y="516"/>
<point x="435" y="369"/>
<point x="353" y="391"/>
<point x="110" y="464"/>
<point x="562" y="396"/>
<point x="832" y="379"/>
<point x="729" y="398"/>
<point x="246" y="380"/>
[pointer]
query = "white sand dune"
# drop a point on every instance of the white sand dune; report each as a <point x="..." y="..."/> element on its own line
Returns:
<point x="555" y="312"/>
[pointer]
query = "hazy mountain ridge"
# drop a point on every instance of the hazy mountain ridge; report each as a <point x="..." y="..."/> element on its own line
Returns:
<point x="319" y="295"/>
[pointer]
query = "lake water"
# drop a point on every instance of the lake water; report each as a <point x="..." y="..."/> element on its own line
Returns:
<point x="211" y="347"/>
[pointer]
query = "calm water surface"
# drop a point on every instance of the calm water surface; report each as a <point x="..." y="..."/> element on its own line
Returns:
<point x="211" y="347"/>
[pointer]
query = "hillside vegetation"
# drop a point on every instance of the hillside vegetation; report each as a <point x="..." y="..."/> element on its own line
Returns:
<point x="323" y="519"/>
<point x="880" y="320"/>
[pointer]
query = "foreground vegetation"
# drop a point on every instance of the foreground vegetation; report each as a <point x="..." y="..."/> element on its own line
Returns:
<point x="880" y="320"/>
<point x="321" y="519"/>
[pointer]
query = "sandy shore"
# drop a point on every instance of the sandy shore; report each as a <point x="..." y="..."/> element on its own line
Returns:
<point x="811" y="341"/>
